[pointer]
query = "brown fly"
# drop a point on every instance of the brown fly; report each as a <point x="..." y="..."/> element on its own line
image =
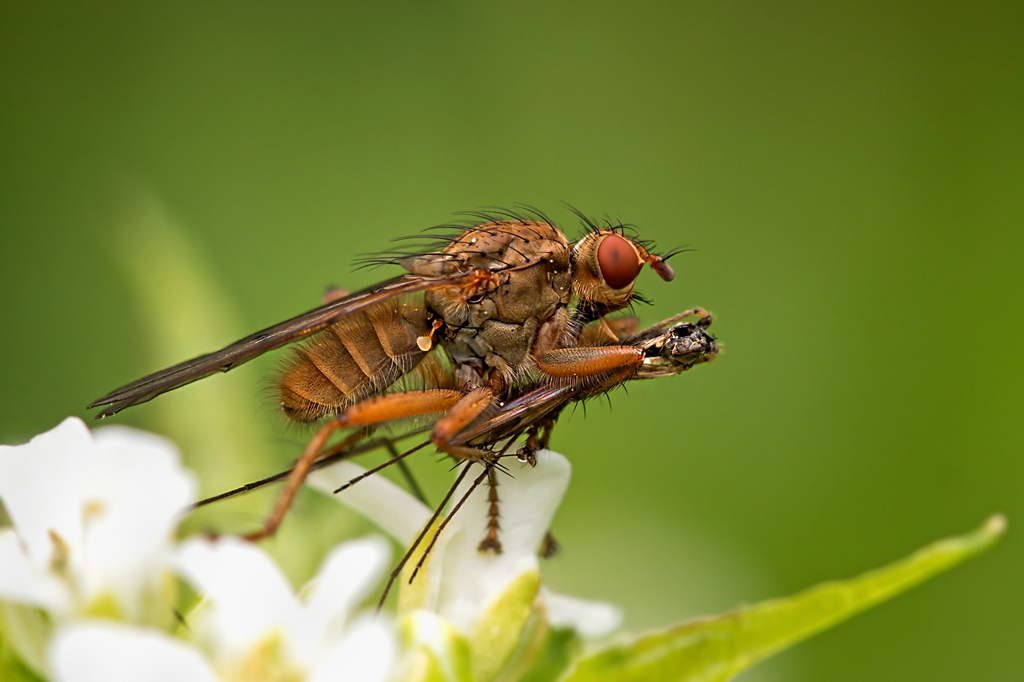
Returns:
<point x="669" y="348"/>
<point x="496" y="312"/>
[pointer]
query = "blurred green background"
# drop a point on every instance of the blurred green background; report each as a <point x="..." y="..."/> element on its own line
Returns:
<point x="852" y="175"/>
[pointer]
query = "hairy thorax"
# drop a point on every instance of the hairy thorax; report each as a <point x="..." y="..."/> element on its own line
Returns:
<point x="490" y="337"/>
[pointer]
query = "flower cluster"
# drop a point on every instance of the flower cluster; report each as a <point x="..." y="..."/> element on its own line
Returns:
<point x="91" y="575"/>
<point x="486" y="608"/>
<point x="93" y="583"/>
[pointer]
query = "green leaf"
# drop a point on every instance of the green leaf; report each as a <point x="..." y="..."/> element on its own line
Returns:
<point x="718" y="648"/>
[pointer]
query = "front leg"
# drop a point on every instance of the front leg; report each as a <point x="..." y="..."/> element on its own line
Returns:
<point x="606" y="330"/>
<point x="585" y="362"/>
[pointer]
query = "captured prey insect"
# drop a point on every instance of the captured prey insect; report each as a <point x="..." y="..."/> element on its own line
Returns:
<point x="496" y="306"/>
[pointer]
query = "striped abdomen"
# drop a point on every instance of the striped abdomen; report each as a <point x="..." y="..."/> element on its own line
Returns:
<point x="352" y="360"/>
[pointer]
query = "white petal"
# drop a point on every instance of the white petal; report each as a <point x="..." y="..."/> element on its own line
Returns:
<point x="247" y="593"/>
<point x="367" y="653"/>
<point x="348" y="574"/>
<point x="107" y="652"/>
<point x="470" y="578"/>
<point x="20" y="583"/>
<point x="139" y="489"/>
<point x="590" y="619"/>
<point x="160" y="486"/>
<point x="395" y="511"/>
<point x="40" y="483"/>
<point x="100" y="510"/>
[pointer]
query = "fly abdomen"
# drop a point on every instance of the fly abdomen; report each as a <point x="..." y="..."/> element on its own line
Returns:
<point x="352" y="360"/>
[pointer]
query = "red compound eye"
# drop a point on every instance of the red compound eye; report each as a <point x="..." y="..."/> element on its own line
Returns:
<point x="618" y="260"/>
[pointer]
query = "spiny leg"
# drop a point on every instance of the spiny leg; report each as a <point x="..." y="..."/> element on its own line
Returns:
<point x="527" y="453"/>
<point x="548" y="426"/>
<point x="458" y="418"/>
<point x="300" y="469"/>
<point x="491" y="542"/>
<point x="448" y="428"/>
<point x="366" y="413"/>
<point x="584" y="362"/>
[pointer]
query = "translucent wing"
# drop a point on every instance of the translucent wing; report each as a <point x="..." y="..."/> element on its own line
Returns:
<point x="246" y="349"/>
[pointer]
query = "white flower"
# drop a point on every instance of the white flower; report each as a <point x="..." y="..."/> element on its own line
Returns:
<point x="102" y="651"/>
<point x="591" y="619"/>
<point x="250" y="625"/>
<point x="93" y="518"/>
<point x="251" y="614"/>
<point x="487" y="599"/>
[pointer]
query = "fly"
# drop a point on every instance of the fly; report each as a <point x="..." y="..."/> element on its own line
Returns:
<point x="492" y="310"/>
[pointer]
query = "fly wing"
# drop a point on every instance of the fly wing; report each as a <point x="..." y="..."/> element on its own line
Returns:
<point x="518" y="415"/>
<point x="246" y="349"/>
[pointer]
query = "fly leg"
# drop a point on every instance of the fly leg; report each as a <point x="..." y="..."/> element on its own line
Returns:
<point x="458" y="418"/>
<point x="368" y="412"/>
<point x="611" y="364"/>
<point x="704" y="321"/>
<point x="590" y="362"/>
<point x="546" y="427"/>
<point x="333" y="294"/>
<point x="491" y="541"/>
<point x="527" y="453"/>
<point x="447" y="428"/>
<point x="537" y="438"/>
<point x="606" y="329"/>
